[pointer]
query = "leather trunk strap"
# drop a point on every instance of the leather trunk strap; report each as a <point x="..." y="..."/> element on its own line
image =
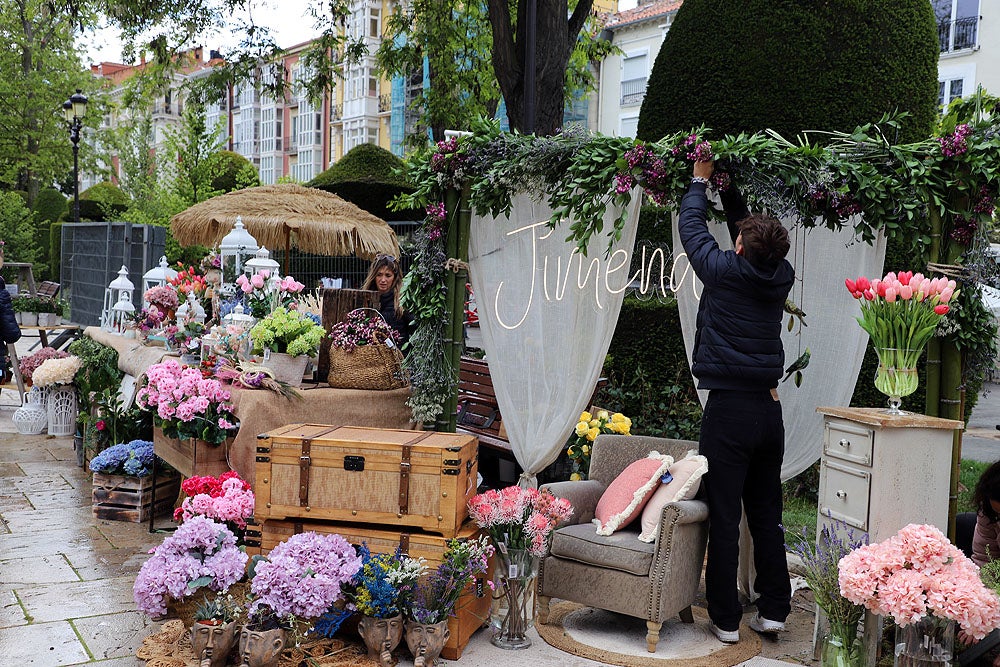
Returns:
<point x="305" y="462"/>
<point x="404" y="471"/>
<point x="404" y="544"/>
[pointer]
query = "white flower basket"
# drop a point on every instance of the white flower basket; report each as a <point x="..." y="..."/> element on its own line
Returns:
<point x="30" y="419"/>
<point x="62" y="410"/>
<point x="38" y="397"/>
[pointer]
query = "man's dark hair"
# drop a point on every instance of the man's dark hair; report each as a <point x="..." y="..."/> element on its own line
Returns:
<point x="987" y="489"/>
<point x="765" y="240"/>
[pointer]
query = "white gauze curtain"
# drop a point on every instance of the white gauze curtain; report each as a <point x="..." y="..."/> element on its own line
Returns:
<point x="822" y="260"/>
<point x="547" y="315"/>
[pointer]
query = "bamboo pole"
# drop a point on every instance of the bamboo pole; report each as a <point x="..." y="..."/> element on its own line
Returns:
<point x="461" y="277"/>
<point x="933" y="380"/>
<point x="446" y="420"/>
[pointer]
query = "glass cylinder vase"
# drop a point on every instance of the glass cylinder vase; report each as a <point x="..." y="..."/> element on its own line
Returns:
<point x="896" y="375"/>
<point x="513" y="612"/>
<point x="842" y="648"/>
<point x="929" y="642"/>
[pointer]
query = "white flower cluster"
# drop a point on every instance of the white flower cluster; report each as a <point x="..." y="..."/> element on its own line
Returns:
<point x="56" y="371"/>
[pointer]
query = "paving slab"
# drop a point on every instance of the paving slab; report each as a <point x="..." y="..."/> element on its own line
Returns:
<point x="57" y="602"/>
<point x="42" y="645"/>
<point x="11" y="612"/>
<point x="40" y="520"/>
<point x="115" y="635"/>
<point x="60" y="499"/>
<point x="63" y="540"/>
<point x="37" y="570"/>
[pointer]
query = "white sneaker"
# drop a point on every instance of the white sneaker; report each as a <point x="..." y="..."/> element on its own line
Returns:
<point x="725" y="636"/>
<point x="766" y="626"/>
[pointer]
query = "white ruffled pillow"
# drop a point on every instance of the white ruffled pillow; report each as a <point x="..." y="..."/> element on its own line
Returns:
<point x="687" y="474"/>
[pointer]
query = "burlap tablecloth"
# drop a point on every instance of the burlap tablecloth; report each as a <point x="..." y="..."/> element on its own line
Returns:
<point x="260" y="411"/>
<point x="133" y="357"/>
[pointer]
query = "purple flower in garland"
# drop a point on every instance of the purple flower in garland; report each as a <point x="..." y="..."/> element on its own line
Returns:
<point x="437" y="212"/>
<point x="956" y="143"/>
<point x="963" y="230"/>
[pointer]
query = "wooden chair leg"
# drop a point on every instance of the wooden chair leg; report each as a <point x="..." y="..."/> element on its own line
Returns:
<point x="652" y="635"/>
<point x="686" y="615"/>
<point x="543" y="609"/>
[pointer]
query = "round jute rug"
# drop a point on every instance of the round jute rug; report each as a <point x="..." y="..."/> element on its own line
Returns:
<point x="616" y="639"/>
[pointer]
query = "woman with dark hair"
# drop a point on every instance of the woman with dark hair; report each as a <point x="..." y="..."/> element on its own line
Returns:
<point x="986" y="535"/>
<point x="386" y="278"/>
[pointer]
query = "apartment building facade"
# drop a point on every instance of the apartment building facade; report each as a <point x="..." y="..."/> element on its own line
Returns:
<point x="969" y="36"/>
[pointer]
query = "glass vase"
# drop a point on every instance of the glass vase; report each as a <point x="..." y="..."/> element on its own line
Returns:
<point x="928" y="642"/>
<point x="513" y="612"/>
<point x="896" y="376"/>
<point x="842" y="648"/>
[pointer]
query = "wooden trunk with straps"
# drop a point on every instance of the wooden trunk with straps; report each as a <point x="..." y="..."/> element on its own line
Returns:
<point x="393" y="477"/>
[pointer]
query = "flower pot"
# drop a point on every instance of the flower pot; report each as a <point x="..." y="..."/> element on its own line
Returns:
<point x="62" y="410"/>
<point x="30" y="419"/>
<point x="286" y="368"/>
<point x="44" y="319"/>
<point x="29" y="319"/>
<point x="928" y="642"/>
<point x="127" y="498"/>
<point x="425" y="641"/>
<point x="213" y="641"/>
<point x="381" y="637"/>
<point x="513" y="611"/>
<point x="261" y="648"/>
<point x="896" y="375"/>
<point x="81" y="459"/>
<point x="18" y="317"/>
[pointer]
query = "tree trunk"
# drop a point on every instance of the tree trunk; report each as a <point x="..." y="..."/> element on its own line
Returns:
<point x="555" y="37"/>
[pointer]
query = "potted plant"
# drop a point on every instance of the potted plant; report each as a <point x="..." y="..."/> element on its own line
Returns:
<point x="201" y="553"/>
<point x="299" y="580"/>
<point x="364" y="353"/>
<point x="186" y="339"/>
<point x="164" y="298"/>
<point x="29" y="364"/>
<point x="262" y="295"/>
<point x="123" y="482"/>
<point x="27" y="306"/>
<point x="433" y="602"/>
<point x="21" y="304"/>
<point x="98" y="371"/>
<point x="286" y="339"/>
<point x="215" y="629"/>
<point x="192" y="417"/>
<point x="377" y="592"/>
<point x="46" y="307"/>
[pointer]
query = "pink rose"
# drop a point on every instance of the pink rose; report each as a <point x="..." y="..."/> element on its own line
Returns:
<point x="257" y="281"/>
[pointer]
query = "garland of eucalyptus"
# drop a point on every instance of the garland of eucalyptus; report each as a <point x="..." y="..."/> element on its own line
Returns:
<point x="937" y="193"/>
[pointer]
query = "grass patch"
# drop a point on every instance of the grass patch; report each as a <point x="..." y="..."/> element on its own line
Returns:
<point x="799" y="515"/>
<point x="969" y="474"/>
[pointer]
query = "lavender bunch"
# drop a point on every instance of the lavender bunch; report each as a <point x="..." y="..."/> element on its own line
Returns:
<point x="434" y="601"/>
<point x="821" y="560"/>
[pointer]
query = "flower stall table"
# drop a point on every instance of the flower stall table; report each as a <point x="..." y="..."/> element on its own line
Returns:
<point x="880" y="472"/>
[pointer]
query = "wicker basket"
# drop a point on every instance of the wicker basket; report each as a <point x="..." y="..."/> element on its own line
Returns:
<point x="372" y="367"/>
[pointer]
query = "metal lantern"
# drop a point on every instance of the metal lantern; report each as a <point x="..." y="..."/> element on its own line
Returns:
<point x="234" y="249"/>
<point x="209" y="343"/>
<point x="241" y="321"/>
<point x="157" y="276"/>
<point x="191" y="309"/>
<point x="122" y="312"/>
<point x="262" y="262"/>
<point x="113" y="294"/>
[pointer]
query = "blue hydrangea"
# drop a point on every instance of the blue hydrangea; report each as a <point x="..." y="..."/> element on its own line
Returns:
<point x="133" y="458"/>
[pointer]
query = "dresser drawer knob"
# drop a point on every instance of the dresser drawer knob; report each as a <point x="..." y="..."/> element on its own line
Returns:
<point x="844" y="442"/>
<point x="841" y="494"/>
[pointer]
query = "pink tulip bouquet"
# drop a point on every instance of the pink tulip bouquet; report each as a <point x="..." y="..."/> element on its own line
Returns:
<point x="262" y="295"/>
<point x="917" y="573"/>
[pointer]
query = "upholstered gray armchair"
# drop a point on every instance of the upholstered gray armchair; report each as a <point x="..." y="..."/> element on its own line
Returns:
<point x="619" y="573"/>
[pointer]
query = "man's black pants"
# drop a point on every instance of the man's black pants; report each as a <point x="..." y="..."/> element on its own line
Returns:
<point x="743" y="438"/>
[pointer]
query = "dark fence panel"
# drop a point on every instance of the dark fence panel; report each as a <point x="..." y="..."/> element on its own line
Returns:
<point x="92" y="254"/>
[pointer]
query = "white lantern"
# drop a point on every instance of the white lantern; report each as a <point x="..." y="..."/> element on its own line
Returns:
<point x="262" y="262"/>
<point x="191" y="309"/>
<point x="241" y="321"/>
<point x="122" y="312"/>
<point x="113" y="294"/>
<point x="234" y="249"/>
<point x="157" y="276"/>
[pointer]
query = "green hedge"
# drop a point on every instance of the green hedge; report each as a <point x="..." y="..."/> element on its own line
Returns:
<point x="232" y="171"/>
<point x="792" y="66"/>
<point x="369" y="177"/>
<point x="102" y="201"/>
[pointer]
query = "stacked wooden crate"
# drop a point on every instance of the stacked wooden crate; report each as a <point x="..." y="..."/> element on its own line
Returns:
<point x="385" y="487"/>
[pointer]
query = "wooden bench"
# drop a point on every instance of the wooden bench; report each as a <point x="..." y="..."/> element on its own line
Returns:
<point x="479" y="415"/>
<point x="47" y="288"/>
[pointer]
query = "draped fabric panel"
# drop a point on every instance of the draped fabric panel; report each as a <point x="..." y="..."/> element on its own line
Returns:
<point x="822" y="260"/>
<point x="547" y="315"/>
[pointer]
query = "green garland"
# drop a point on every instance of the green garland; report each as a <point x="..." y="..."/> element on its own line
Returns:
<point x="822" y="178"/>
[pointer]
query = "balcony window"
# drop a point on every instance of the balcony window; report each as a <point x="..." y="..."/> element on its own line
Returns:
<point x="958" y="24"/>
<point x="635" y="72"/>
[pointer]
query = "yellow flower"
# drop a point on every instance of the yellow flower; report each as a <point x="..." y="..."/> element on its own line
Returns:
<point x="585" y="449"/>
<point x="569" y="450"/>
<point x="575" y="477"/>
<point x="618" y="417"/>
<point x="603" y="415"/>
<point x="615" y="427"/>
<point x="582" y="428"/>
<point x="593" y="433"/>
<point x="595" y="423"/>
<point x="585" y="416"/>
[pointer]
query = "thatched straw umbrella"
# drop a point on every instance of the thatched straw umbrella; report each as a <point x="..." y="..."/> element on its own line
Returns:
<point x="282" y="216"/>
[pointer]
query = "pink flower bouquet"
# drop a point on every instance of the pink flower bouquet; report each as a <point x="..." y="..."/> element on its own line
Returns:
<point x="185" y="404"/>
<point x="226" y="498"/>
<point x="519" y="518"/>
<point x="918" y="573"/>
<point x="29" y="364"/>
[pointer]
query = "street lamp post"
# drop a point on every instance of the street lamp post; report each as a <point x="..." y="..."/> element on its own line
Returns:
<point x="75" y="108"/>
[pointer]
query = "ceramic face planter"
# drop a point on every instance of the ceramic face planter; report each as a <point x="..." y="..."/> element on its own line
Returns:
<point x="381" y="636"/>
<point x="211" y="643"/>
<point x="261" y="648"/>
<point x="426" y="641"/>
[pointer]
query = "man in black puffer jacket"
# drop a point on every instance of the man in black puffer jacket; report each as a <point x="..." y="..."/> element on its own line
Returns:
<point x="9" y="331"/>
<point x="739" y="358"/>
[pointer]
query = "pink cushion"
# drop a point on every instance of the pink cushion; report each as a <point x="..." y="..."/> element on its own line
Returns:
<point x="687" y="474"/>
<point x="625" y="497"/>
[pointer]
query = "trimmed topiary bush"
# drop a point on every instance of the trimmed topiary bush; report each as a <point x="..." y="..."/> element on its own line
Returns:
<point x="49" y="207"/>
<point x="231" y="171"/>
<point x="369" y="177"/>
<point x="792" y="66"/>
<point x="102" y="201"/>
